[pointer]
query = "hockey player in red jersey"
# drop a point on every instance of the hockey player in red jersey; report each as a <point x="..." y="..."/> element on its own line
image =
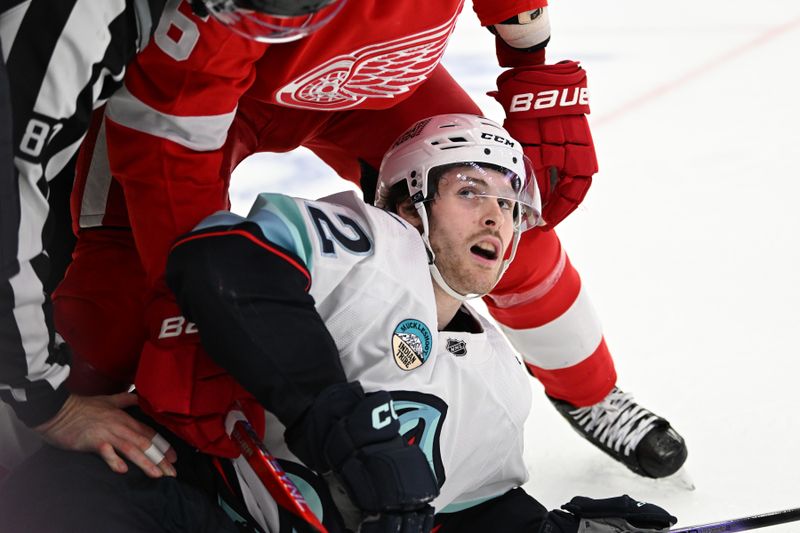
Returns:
<point x="203" y="98"/>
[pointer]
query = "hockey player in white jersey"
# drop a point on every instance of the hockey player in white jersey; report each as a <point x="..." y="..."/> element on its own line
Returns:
<point x="388" y="398"/>
<point x="324" y="310"/>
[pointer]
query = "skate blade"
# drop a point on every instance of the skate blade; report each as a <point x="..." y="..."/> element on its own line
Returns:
<point x="680" y="479"/>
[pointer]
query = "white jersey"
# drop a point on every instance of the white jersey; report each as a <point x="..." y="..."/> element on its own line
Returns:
<point x="463" y="397"/>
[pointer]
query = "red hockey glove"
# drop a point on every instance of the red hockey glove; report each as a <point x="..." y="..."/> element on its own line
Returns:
<point x="546" y="109"/>
<point x="180" y="386"/>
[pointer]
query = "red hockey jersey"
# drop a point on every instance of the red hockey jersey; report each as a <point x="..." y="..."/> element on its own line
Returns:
<point x="181" y="93"/>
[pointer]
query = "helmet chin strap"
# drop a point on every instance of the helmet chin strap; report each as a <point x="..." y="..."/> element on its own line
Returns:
<point x="437" y="275"/>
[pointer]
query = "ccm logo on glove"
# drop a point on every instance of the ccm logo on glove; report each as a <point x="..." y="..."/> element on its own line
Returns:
<point x="548" y="99"/>
<point x="383" y="415"/>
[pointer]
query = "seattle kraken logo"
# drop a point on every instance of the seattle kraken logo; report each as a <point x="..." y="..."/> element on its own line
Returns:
<point x="421" y="419"/>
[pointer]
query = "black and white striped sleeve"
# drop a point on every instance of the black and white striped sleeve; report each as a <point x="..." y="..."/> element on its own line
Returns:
<point x="9" y="196"/>
<point x="63" y="59"/>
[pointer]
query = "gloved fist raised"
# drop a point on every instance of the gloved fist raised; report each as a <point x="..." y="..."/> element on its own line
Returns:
<point x="356" y="436"/>
<point x="609" y="515"/>
<point x="546" y="107"/>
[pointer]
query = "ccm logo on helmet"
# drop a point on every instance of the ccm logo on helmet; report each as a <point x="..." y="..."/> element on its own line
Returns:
<point x="548" y="99"/>
<point x="496" y="138"/>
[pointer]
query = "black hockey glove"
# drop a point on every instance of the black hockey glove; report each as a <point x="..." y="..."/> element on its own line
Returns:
<point x="610" y="515"/>
<point x="356" y="436"/>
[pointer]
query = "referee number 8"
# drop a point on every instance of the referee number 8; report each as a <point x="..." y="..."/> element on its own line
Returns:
<point x="37" y="134"/>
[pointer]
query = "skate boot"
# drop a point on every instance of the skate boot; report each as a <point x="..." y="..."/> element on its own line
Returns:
<point x="637" y="438"/>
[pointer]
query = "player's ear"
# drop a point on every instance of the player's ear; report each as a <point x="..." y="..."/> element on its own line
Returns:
<point x="409" y="213"/>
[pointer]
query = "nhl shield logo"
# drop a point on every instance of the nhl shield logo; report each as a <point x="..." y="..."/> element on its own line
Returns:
<point x="411" y="344"/>
<point x="457" y="347"/>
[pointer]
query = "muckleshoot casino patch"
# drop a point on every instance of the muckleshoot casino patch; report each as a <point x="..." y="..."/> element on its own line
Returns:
<point x="411" y="344"/>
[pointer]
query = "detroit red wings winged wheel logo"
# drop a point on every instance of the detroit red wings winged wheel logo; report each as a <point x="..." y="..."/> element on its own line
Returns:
<point x="382" y="70"/>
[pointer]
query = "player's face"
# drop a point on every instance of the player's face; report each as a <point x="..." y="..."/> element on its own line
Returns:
<point x="470" y="232"/>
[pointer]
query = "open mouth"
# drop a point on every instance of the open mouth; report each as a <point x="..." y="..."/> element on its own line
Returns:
<point x="485" y="250"/>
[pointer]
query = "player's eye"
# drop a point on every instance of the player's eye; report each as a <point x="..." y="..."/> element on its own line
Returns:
<point x="506" y="204"/>
<point x="468" y="193"/>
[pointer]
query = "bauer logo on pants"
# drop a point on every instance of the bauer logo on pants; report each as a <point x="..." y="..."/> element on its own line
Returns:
<point x="411" y="344"/>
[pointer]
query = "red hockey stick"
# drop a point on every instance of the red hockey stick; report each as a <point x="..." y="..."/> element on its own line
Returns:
<point x="269" y="471"/>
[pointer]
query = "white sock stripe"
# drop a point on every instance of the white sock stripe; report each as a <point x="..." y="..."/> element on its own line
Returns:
<point x="563" y="342"/>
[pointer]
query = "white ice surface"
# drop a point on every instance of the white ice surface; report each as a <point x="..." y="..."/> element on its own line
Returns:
<point x="687" y="240"/>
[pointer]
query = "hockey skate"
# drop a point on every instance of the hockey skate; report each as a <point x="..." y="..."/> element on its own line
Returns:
<point x="637" y="438"/>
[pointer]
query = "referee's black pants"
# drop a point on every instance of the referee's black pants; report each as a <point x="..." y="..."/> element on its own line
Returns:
<point x="56" y="491"/>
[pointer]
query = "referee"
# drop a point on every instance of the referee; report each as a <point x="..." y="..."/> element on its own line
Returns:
<point x="61" y="60"/>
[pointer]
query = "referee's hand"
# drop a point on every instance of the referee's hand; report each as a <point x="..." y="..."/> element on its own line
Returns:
<point x="98" y="424"/>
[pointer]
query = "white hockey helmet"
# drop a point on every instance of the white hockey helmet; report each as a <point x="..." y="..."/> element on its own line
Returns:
<point x="449" y="140"/>
<point x="271" y="21"/>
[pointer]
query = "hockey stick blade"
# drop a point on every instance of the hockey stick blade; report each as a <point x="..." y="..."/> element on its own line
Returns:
<point x="744" y="524"/>
<point x="272" y="475"/>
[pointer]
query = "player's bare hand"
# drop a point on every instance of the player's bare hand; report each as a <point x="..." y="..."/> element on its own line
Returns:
<point x="98" y="424"/>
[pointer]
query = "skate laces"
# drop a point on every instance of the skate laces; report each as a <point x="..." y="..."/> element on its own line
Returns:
<point x="617" y="421"/>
